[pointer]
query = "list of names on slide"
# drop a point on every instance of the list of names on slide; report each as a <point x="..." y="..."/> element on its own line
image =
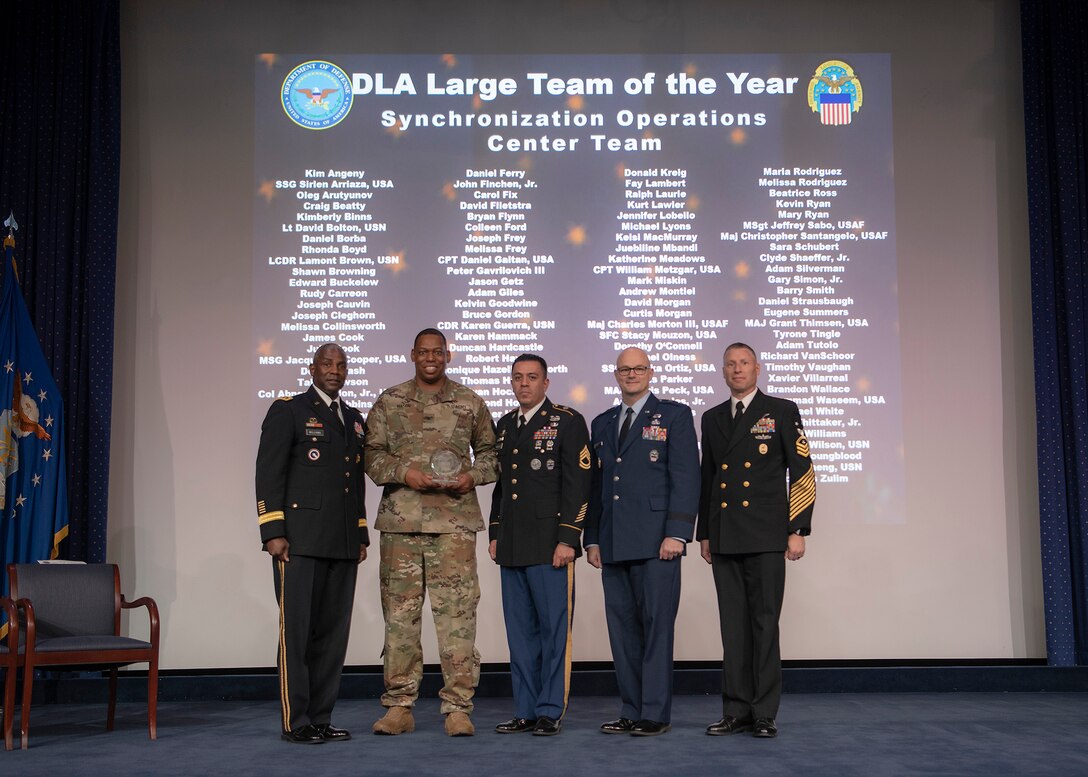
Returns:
<point x="653" y="267"/>
<point x="495" y="314"/>
<point x="330" y="279"/>
<point x="807" y="254"/>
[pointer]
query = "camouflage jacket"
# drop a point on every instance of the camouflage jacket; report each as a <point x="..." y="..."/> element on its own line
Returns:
<point x="404" y="428"/>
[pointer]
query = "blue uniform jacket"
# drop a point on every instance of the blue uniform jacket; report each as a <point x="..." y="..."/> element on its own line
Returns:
<point x="647" y="491"/>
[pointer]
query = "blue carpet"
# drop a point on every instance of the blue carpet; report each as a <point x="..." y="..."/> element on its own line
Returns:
<point x="820" y="734"/>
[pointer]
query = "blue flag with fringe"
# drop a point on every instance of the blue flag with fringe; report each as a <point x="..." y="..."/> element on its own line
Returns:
<point x="33" y="488"/>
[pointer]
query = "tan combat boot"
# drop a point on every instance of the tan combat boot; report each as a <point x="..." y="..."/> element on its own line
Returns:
<point x="458" y="724"/>
<point x="397" y="720"/>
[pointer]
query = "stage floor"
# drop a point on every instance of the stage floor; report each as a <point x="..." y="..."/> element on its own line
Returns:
<point x="820" y="734"/>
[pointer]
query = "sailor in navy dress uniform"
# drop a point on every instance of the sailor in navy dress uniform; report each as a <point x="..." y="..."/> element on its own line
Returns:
<point x="309" y="479"/>
<point x="538" y="510"/>
<point x="641" y="514"/>
<point x="751" y="519"/>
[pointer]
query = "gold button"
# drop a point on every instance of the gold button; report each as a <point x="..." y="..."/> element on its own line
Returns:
<point x="615" y="497"/>
<point x="294" y="504"/>
<point x="747" y="464"/>
<point x="618" y="459"/>
<point x="725" y="466"/>
<point x="723" y="485"/>
<point x="515" y="451"/>
<point x="347" y="490"/>
<point x="514" y="497"/>
<point x="615" y="478"/>
<point x="514" y="482"/>
<point x="745" y="503"/>
<point x="746" y="484"/>
<point x="724" y="504"/>
<point x="513" y="466"/>
<point x="347" y="458"/>
<point x="347" y="474"/>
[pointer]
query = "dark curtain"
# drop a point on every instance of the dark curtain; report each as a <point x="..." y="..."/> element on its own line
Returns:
<point x="1055" y="35"/>
<point x="60" y="120"/>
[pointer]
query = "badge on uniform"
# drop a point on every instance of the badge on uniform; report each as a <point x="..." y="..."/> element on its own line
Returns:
<point x="315" y="428"/>
<point x="656" y="433"/>
<point x="654" y="455"/>
<point x="313" y="454"/>
<point x="358" y="428"/>
<point x="535" y="464"/>
<point x="584" y="459"/>
<point x="550" y="464"/>
<point x="764" y="425"/>
<point x="763" y="447"/>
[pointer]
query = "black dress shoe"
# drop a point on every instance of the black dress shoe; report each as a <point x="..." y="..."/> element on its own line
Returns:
<point x="546" y="727"/>
<point x="729" y="725"/>
<point x="516" y="725"/>
<point x="331" y="733"/>
<point x="649" y="728"/>
<point x="764" y="727"/>
<point x="619" y="726"/>
<point x="304" y="735"/>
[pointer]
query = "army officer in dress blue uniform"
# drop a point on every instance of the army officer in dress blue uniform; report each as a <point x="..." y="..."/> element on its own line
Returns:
<point x="537" y="513"/>
<point x="641" y="513"/>
<point x="750" y="521"/>
<point x="313" y="524"/>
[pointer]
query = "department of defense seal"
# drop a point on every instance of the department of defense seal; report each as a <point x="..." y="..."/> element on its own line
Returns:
<point x="316" y="95"/>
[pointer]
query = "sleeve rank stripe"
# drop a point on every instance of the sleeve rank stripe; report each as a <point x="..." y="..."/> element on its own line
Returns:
<point x="269" y="517"/>
<point x="568" y="526"/>
<point x="803" y="494"/>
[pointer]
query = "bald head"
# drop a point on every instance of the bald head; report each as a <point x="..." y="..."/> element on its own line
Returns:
<point x="633" y="374"/>
<point x="329" y="369"/>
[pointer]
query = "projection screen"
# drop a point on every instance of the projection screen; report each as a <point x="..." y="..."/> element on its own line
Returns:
<point x="842" y="189"/>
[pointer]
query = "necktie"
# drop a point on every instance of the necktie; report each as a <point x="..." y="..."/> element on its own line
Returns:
<point x="626" y="426"/>
<point x="335" y="408"/>
<point x="739" y="412"/>
<point x="521" y="421"/>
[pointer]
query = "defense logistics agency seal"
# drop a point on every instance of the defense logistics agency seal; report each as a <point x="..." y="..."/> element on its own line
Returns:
<point x="316" y="95"/>
<point x="834" y="92"/>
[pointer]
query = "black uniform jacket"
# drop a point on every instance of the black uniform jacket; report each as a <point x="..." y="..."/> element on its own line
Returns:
<point x="310" y="477"/>
<point x="542" y="493"/>
<point x="746" y="506"/>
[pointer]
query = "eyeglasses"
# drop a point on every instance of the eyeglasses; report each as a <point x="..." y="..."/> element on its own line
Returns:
<point x="641" y="370"/>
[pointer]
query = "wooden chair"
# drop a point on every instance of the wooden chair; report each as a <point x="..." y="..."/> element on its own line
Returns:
<point x="71" y="616"/>
<point x="11" y="657"/>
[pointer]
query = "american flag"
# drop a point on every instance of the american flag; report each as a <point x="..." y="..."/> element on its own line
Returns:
<point x="835" y="108"/>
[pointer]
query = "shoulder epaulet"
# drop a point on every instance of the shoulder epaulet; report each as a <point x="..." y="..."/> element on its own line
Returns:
<point x="564" y="409"/>
<point x="286" y="399"/>
<point x="610" y="411"/>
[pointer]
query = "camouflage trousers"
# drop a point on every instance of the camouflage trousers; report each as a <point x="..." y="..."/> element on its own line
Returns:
<point x="444" y="566"/>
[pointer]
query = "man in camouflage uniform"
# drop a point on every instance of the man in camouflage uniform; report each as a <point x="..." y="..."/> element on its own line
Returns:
<point x="428" y="526"/>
